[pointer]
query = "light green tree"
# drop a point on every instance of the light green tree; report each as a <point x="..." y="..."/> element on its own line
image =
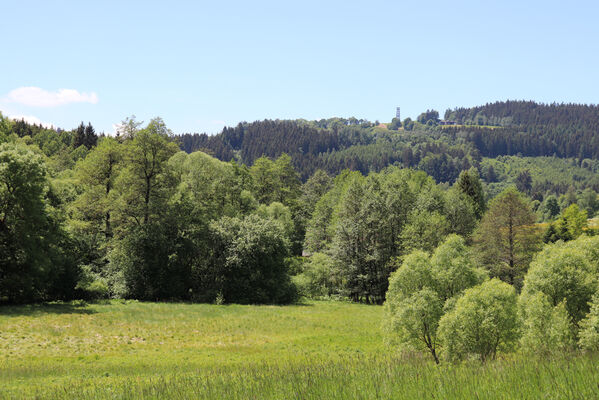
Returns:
<point x="5" y="128"/>
<point x="546" y="329"/>
<point x="460" y="212"/>
<point x="482" y="322"/>
<point x="275" y="180"/>
<point x="563" y="274"/>
<point x="424" y="231"/>
<point x="278" y="212"/>
<point x="574" y="220"/>
<point x="422" y="288"/>
<point x="320" y="277"/>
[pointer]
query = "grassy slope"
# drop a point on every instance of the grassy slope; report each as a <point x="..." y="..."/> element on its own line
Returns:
<point x="319" y="350"/>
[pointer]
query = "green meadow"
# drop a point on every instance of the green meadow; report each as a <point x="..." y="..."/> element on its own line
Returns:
<point x="330" y="350"/>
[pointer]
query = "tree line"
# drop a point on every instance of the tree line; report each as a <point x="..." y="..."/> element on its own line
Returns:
<point x="133" y="216"/>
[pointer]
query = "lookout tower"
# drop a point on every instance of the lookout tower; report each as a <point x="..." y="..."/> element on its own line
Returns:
<point x="397" y="113"/>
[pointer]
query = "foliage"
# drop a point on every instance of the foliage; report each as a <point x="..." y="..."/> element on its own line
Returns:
<point x="589" y="327"/>
<point x="546" y="328"/>
<point x="275" y="180"/>
<point x="460" y="213"/>
<point x="469" y="183"/>
<point x="96" y="175"/>
<point x="36" y="259"/>
<point x="423" y="230"/>
<point x="564" y="273"/>
<point x="482" y="322"/>
<point x="320" y="277"/>
<point x="421" y="290"/>
<point x="569" y="226"/>
<point x="246" y="263"/>
<point x="155" y="261"/>
<point x="142" y="183"/>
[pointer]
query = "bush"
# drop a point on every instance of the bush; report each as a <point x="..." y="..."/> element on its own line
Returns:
<point x="91" y="286"/>
<point x="320" y="278"/>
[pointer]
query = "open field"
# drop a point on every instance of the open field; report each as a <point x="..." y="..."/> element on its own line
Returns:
<point x="317" y="350"/>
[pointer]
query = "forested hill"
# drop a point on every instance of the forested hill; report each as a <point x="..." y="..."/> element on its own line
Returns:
<point x="304" y="141"/>
<point x="502" y="128"/>
<point x="532" y="129"/>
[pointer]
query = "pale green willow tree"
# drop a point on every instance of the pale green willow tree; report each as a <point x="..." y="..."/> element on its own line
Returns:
<point x="557" y="294"/>
<point x="423" y="288"/>
<point x="482" y="322"/>
<point x="563" y="274"/>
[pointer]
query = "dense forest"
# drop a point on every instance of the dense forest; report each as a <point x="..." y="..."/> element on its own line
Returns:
<point x="531" y="129"/>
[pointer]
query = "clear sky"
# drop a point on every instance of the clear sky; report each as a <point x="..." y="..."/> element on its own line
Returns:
<point x="202" y="64"/>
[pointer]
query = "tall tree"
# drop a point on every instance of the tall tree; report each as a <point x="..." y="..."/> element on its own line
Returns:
<point x="97" y="174"/>
<point x="143" y="182"/>
<point x="314" y="188"/>
<point x="469" y="183"/>
<point x="507" y="238"/>
<point x="91" y="139"/>
<point x="79" y="138"/>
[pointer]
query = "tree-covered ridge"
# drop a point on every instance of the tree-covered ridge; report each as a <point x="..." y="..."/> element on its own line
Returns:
<point x="337" y="144"/>
<point x="528" y="113"/>
<point x="503" y="128"/>
<point x="303" y="140"/>
<point x="532" y="129"/>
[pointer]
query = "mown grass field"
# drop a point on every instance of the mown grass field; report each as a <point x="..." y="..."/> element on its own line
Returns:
<point x="329" y="350"/>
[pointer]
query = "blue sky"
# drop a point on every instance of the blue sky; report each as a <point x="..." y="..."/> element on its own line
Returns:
<point x="200" y="65"/>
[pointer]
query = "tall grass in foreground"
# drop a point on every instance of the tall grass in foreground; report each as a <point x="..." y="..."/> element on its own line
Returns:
<point x="359" y="378"/>
<point x="321" y="350"/>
